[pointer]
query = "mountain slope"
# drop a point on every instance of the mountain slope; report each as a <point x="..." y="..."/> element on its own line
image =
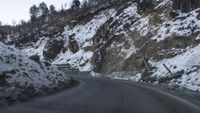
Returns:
<point x="132" y="37"/>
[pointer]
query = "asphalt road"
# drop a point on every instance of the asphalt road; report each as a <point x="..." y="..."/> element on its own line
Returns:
<point x="94" y="95"/>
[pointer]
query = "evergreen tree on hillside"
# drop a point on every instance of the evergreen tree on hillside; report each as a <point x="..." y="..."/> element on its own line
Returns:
<point x="93" y="2"/>
<point x="143" y="5"/>
<point x="84" y="4"/>
<point x="34" y="12"/>
<point x="43" y="8"/>
<point x="52" y="9"/>
<point x="75" y="4"/>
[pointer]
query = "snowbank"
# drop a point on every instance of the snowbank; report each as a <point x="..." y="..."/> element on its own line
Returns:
<point x="188" y="61"/>
<point x="79" y="60"/>
<point x="20" y="75"/>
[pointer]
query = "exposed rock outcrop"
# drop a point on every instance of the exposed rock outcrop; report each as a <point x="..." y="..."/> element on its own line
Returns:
<point x="53" y="47"/>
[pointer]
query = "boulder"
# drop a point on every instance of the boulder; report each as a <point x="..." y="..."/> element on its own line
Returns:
<point x="52" y="48"/>
<point x="35" y="58"/>
<point x="73" y="44"/>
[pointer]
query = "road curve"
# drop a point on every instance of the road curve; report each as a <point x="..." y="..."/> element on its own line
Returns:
<point x="94" y="95"/>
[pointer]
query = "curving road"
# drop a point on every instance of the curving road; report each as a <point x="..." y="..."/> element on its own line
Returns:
<point x="94" y="95"/>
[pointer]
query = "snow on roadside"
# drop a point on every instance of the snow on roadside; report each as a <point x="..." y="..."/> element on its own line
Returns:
<point x="131" y="76"/>
<point x="188" y="61"/>
<point x="79" y="60"/>
<point x="19" y="74"/>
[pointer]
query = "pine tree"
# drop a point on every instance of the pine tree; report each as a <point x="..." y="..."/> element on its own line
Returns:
<point x="34" y="12"/>
<point x="143" y="5"/>
<point x="75" y="4"/>
<point x="84" y="4"/>
<point x="52" y="9"/>
<point x="43" y="8"/>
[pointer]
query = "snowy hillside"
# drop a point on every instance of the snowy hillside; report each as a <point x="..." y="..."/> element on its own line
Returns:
<point x="162" y="39"/>
<point x="84" y="37"/>
<point x="134" y="38"/>
<point x="22" y="77"/>
<point x="188" y="62"/>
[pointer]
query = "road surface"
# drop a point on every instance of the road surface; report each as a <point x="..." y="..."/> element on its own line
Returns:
<point x="95" y="95"/>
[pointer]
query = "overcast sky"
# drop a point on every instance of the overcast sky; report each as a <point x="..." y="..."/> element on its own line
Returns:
<point x="16" y="10"/>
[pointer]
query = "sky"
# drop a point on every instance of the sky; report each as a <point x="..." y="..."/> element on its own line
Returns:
<point x="13" y="11"/>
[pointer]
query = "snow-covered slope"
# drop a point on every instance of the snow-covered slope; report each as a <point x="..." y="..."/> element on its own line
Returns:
<point x="161" y="39"/>
<point x="37" y="49"/>
<point x="117" y="39"/>
<point x="21" y="77"/>
<point x="83" y="34"/>
<point x="189" y="62"/>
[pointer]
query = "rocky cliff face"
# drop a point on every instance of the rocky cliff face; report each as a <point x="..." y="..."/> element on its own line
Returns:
<point x="128" y="37"/>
